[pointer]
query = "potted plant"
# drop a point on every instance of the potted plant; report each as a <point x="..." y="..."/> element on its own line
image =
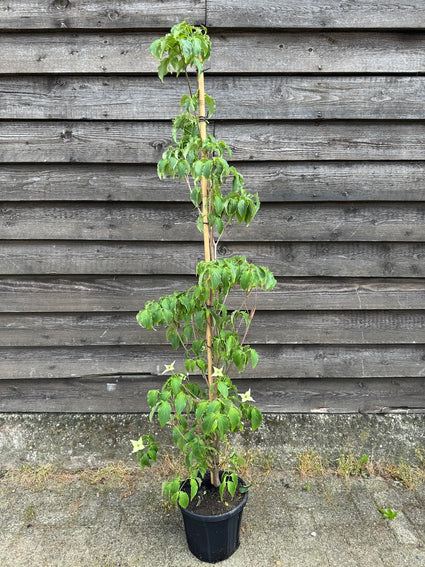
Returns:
<point x="201" y="404"/>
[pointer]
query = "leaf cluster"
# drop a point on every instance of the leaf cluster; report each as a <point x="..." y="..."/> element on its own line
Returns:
<point x="185" y="46"/>
<point x="198" y="424"/>
<point x="192" y="159"/>
<point x="185" y="314"/>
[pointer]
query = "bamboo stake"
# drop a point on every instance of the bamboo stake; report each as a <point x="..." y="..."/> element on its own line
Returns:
<point x="208" y="244"/>
<point x="208" y="247"/>
<point x="209" y="253"/>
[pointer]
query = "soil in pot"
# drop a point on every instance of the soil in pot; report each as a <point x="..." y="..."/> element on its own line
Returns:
<point x="208" y="503"/>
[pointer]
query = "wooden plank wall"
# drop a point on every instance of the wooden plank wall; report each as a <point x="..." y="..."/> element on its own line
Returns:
<point x="323" y="104"/>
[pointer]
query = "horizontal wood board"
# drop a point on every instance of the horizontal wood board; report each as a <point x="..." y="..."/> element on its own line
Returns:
<point x="145" y="142"/>
<point x="309" y="181"/>
<point x="265" y="97"/>
<point x="291" y="259"/>
<point x="139" y="14"/>
<point x="177" y="222"/>
<point x="125" y="394"/>
<point x="55" y="294"/>
<point x="276" y="361"/>
<point x="300" y="14"/>
<point x="236" y="52"/>
<point x="323" y="107"/>
<point x="280" y="328"/>
<point x="99" y="14"/>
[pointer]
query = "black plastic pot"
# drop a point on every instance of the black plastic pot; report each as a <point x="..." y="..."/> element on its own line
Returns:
<point x="214" y="538"/>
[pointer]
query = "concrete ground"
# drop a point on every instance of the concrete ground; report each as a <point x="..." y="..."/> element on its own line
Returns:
<point x="116" y="518"/>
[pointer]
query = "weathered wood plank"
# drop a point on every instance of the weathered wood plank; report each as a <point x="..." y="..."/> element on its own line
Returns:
<point x="324" y="140"/>
<point x="144" y="142"/>
<point x="37" y="14"/>
<point x="128" y="394"/>
<point x="177" y="222"/>
<point x="97" y="142"/>
<point x="333" y="259"/>
<point x="46" y="294"/>
<point x="297" y="361"/>
<point x="275" y="182"/>
<point x="234" y="52"/>
<point x="98" y="14"/>
<point x="277" y="328"/>
<point x="315" y="52"/>
<point x="259" y="98"/>
<point x="313" y="14"/>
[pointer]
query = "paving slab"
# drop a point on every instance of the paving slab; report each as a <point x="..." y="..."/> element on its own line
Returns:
<point x="66" y="520"/>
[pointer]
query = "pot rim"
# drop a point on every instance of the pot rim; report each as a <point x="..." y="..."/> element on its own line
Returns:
<point x="218" y="517"/>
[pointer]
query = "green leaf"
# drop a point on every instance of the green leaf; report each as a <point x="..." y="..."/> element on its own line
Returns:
<point x="231" y="487"/>
<point x="145" y="461"/>
<point x="183" y="499"/>
<point x="193" y="488"/>
<point x="197" y="168"/>
<point x="198" y="65"/>
<point x="145" y="319"/>
<point x="245" y="280"/>
<point x="186" y="46"/>
<point x="200" y="410"/>
<point x="152" y="397"/>
<point x="223" y="389"/>
<point x="242" y="208"/>
<point x="164" y="412"/>
<point x="208" y="423"/>
<point x="256" y="418"/>
<point x="222" y="424"/>
<point x="163" y="69"/>
<point x="238" y="359"/>
<point x="182" y="168"/>
<point x="155" y="47"/>
<point x="207" y="168"/>
<point x="196" y="196"/>
<point x="254" y="358"/>
<point x="176" y="383"/>
<point x="188" y="333"/>
<point x="173" y="337"/>
<point x="168" y="316"/>
<point x="219" y="224"/>
<point x="197" y="346"/>
<point x="211" y="104"/>
<point x="215" y="278"/>
<point x="196" y="46"/>
<point x="234" y="417"/>
<point x="180" y="403"/>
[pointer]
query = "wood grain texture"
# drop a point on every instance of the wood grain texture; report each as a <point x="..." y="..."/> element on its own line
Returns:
<point x="128" y="394"/>
<point x="234" y="52"/>
<point x="277" y="328"/>
<point x="296" y="361"/>
<point x="274" y="181"/>
<point x="99" y="14"/>
<point x="299" y="14"/>
<point x="144" y="142"/>
<point x="333" y="259"/>
<point x="323" y="140"/>
<point x="177" y="222"/>
<point x="52" y="294"/>
<point x="266" y="97"/>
